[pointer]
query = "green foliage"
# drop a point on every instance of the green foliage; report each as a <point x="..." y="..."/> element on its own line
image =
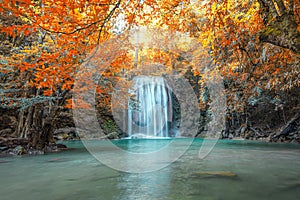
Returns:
<point x="109" y="126"/>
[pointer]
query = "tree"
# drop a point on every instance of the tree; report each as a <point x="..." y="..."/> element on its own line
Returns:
<point x="61" y="36"/>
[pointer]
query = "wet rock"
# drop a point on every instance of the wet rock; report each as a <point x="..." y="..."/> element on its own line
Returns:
<point x="61" y="146"/>
<point x="113" y="135"/>
<point x="13" y="142"/>
<point x="295" y="141"/>
<point x="215" y="174"/>
<point x="35" y="152"/>
<point x="67" y="133"/>
<point x="58" y="137"/>
<point x="52" y="148"/>
<point x="19" y="150"/>
<point x="249" y="135"/>
<point x="3" y="148"/>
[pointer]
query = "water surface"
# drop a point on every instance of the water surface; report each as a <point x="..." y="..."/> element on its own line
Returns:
<point x="233" y="170"/>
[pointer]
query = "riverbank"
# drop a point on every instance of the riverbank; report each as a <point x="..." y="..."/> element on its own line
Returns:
<point x="18" y="146"/>
<point x="23" y="149"/>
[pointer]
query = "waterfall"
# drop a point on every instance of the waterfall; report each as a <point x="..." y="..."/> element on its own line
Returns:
<point x="149" y="108"/>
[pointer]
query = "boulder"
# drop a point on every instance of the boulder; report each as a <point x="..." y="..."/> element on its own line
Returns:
<point x="19" y="150"/>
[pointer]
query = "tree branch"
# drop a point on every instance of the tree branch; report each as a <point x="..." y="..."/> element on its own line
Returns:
<point x="281" y="27"/>
<point x="271" y="6"/>
<point x="107" y="19"/>
<point x="75" y="30"/>
<point x="281" y="6"/>
<point x="283" y="33"/>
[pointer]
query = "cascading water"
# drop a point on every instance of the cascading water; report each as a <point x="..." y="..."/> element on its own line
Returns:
<point x="150" y="108"/>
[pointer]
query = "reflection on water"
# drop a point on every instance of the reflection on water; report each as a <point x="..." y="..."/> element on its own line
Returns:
<point x="142" y="145"/>
<point x="138" y="155"/>
<point x="233" y="170"/>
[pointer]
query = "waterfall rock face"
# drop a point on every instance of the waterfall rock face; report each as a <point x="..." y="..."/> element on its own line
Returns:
<point x="150" y="108"/>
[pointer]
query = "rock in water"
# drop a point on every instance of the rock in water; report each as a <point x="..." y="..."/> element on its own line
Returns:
<point x="61" y="146"/>
<point x="19" y="150"/>
<point x="216" y="173"/>
<point x="35" y="152"/>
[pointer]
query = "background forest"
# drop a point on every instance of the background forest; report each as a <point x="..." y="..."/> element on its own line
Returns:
<point x="253" y="44"/>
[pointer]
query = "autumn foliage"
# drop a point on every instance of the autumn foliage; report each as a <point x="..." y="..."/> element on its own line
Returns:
<point x="253" y="44"/>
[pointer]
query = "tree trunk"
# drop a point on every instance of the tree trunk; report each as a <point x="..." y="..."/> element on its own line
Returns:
<point x="281" y="26"/>
<point x="282" y="32"/>
<point x="19" y="129"/>
<point x="40" y="132"/>
<point x="38" y="125"/>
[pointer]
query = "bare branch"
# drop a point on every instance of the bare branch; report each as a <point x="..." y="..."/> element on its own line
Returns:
<point x="75" y="30"/>
<point x="107" y="19"/>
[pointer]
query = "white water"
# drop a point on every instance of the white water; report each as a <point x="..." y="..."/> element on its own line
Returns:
<point x="150" y="109"/>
